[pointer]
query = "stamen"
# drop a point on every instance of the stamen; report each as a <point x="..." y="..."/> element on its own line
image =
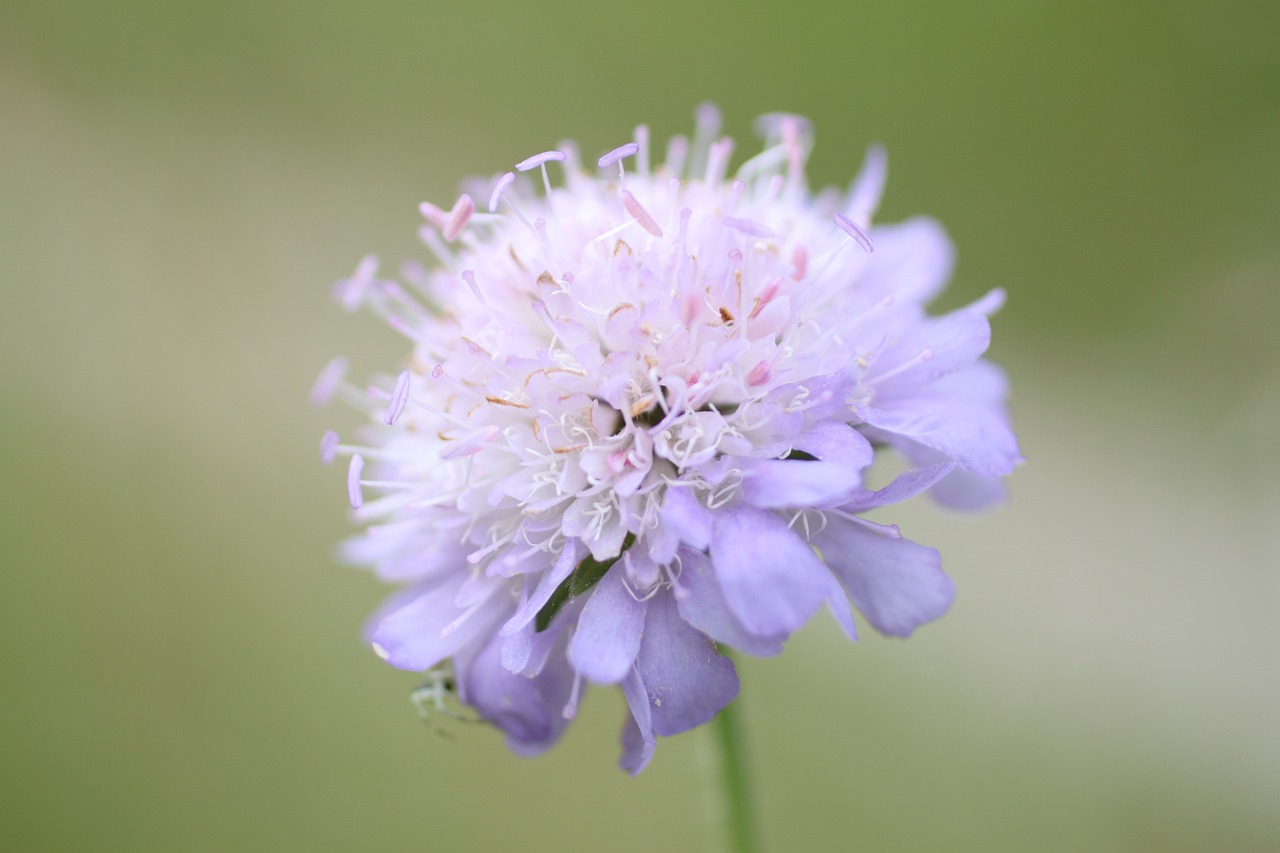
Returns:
<point x="642" y="144"/>
<point x="748" y="226"/>
<point x="641" y="215"/>
<point x="538" y="159"/>
<point x="618" y="153"/>
<point x="707" y="126"/>
<point x="762" y="162"/>
<point x="791" y="138"/>
<point x="864" y="196"/>
<point x="352" y="291"/>
<point x="855" y="231"/>
<point x="328" y="381"/>
<point x="433" y="214"/>
<point x="399" y="397"/>
<point x="571" y="707"/>
<point x="469" y="276"/>
<point x="800" y="259"/>
<point x="457" y="623"/>
<point x="328" y="446"/>
<point x="760" y="374"/>
<point x="473" y="443"/>
<point x="926" y="354"/>
<point x="503" y="182"/>
<point x="677" y="153"/>
<point x="718" y="160"/>
<point x="354" y="493"/>
<point x="540" y="225"/>
<point x="462" y="210"/>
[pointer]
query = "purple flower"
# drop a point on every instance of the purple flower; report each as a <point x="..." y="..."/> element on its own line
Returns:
<point x="636" y="421"/>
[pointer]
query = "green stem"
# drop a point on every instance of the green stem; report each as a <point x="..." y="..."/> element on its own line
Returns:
<point x="736" y="817"/>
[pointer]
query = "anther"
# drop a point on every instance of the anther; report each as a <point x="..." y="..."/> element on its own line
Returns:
<point x="748" y="226"/>
<point x="855" y="231"/>
<point x="399" y="397"/>
<point x="618" y="153"/>
<point x="462" y="210"/>
<point x="328" y="446"/>
<point x="433" y="214"/>
<point x="538" y="159"/>
<point x="760" y="374"/>
<point x="352" y="291"/>
<point x="503" y="182"/>
<point x="641" y="215"/>
<point x="354" y="493"/>
<point x="328" y="381"/>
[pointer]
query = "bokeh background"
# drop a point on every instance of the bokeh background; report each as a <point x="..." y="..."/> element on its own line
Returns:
<point x="180" y="183"/>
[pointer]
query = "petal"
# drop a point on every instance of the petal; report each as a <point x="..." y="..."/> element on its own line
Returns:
<point x="969" y="492"/>
<point x="702" y="605"/>
<point x="609" y="629"/>
<point x="974" y="435"/>
<point x="770" y="577"/>
<point x="906" y="485"/>
<point x="637" y="737"/>
<point x="952" y="342"/>
<point x="842" y="453"/>
<point x="838" y="606"/>
<point x="896" y="584"/>
<point x="517" y="648"/>
<point x="529" y="710"/>
<point x="912" y="262"/>
<point x="687" y="680"/>
<point x="864" y="195"/>
<point x="410" y="632"/>
<point x="528" y="609"/>
<point x="689" y="519"/>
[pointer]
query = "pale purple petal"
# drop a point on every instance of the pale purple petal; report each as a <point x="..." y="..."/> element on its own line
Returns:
<point x="410" y="633"/>
<point x="838" y="607"/>
<point x="912" y="262"/>
<point x="770" y="577"/>
<point x="934" y="349"/>
<point x="686" y="679"/>
<point x="702" y="605"/>
<point x="528" y="710"/>
<point x="972" y="434"/>
<point x="842" y="453"/>
<point x="906" y="485"/>
<point x="609" y="629"/>
<point x="637" y="729"/>
<point x="897" y="584"/>
<point x="528" y="609"/>
<point x="690" y="520"/>
<point x="969" y="492"/>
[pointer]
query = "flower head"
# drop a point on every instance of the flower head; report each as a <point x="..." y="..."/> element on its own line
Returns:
<point x="636" y="420"/>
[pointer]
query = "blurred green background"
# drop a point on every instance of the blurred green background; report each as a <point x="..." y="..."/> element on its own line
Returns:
<point x="180" y="182"/>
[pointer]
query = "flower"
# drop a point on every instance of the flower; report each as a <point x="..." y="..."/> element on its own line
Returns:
<point x="636" y="422"/>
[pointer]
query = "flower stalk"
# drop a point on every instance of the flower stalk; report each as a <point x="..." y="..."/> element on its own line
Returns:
<point x="734" y="794"/>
